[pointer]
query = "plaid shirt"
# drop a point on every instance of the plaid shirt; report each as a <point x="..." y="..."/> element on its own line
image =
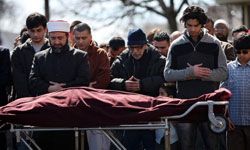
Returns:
<point x="238" y="83"/>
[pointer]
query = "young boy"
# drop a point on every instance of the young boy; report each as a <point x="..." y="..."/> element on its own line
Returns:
<point x="238" y="83"/>
<point x="22" y="55"/>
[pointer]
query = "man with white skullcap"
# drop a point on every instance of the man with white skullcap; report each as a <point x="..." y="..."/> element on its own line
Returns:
<point x="221" y="29"/>
<point x="56" y="68"/>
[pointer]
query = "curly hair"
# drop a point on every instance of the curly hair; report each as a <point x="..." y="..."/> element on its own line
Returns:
<point x="194" y="12"/>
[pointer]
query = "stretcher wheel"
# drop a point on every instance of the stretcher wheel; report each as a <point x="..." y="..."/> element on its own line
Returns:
<point x="221" y="127"/>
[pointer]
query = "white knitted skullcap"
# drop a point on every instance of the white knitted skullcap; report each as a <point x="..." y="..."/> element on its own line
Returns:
<point x="58" y="25"/>
<point x="221" y="21"/>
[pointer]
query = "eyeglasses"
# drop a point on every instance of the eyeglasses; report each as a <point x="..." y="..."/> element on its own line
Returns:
<point x="243" y="52"/>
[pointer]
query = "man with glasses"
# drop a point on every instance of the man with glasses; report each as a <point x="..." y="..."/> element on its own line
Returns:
<point x="138" y="69"/>
<point x="238" y="83"/>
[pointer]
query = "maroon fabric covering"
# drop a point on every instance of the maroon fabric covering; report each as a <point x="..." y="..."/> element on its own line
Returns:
<point x="88" y="107"/>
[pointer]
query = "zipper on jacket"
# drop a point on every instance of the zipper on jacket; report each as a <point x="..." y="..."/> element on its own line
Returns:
<point x="192" y="43"/>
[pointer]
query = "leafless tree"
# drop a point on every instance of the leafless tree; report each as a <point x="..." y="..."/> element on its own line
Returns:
<point x="5" y="8"/>
<point x="167" y="10"/>
<point x="111" y="11"/>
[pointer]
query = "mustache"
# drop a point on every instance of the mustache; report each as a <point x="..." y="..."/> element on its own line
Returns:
<point x="59" y="49"/>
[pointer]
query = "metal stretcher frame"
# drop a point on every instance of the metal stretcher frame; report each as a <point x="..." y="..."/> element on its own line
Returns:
<point x="218" y="124"/>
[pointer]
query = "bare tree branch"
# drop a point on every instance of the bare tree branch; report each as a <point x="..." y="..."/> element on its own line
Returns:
<point x="126" y="9"/>
<point x="182" y="4"/>
<point x="143" y="5"/>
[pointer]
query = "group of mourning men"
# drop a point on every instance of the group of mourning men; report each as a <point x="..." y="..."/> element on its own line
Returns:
<point x="196" y="62"/>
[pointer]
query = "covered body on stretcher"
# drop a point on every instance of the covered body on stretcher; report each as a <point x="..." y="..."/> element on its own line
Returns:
<point x="88" y="107"/>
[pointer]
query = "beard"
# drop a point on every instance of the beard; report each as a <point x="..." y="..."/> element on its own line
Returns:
<point x="60" y="49"/>
<point x="222" y="38"/>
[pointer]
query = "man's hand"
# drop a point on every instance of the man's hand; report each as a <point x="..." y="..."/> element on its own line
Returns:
<point x="55" y="86"/>
<point x="132" y="84"/>
<point x="199" y="71"/>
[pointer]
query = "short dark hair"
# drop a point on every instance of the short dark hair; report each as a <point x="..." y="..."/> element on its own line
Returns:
<point x="194" y="12"/>
<point x="73" y="24"/>
<point x="243" y="42"/>
<point x="82" y="27"/>
<point x="116" y="42"/>
<point x="35" y="19"/>
<point x="240" y="29"/>
<point x="162" y="36"/>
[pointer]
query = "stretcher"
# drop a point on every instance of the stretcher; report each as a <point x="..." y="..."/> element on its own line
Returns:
<point x="70" y="109"/>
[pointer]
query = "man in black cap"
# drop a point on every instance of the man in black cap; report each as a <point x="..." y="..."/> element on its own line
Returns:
<point x="138" y="69"/>
<point x="116" y="46"/>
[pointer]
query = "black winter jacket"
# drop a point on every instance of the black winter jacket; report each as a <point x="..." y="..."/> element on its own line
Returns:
<point x="21" y="61"/>
<point x="150" y="82"/>
<point x="5" y="74"/>
<point x="70" y="66"/>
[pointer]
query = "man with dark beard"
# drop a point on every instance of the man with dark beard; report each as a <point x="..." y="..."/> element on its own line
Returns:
<point x="56" y="68"/>
<point x="220" y="29"/>
<point x="59" y="66"/>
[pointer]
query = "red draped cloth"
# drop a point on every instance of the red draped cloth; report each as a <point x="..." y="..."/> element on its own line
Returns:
<point x="88" y="107"/>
